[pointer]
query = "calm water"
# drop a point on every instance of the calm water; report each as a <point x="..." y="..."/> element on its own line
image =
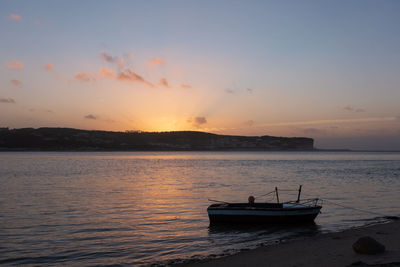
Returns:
<point x="140" y="208"/>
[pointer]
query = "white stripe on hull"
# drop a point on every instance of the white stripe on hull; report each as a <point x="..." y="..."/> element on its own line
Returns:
<point x="263" y="212"/>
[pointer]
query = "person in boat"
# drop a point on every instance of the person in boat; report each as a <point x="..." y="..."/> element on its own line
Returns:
<point x="251" y="200"/>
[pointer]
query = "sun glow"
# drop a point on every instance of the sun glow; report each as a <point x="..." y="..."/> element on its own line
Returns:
<point x="171" y="78"/>
<point x="165" y="124"/>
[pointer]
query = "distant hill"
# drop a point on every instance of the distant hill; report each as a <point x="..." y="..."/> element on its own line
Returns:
<point x="67" y="139"/>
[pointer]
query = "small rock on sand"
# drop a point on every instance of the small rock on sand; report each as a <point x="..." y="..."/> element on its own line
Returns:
<point x="368" y="245"/>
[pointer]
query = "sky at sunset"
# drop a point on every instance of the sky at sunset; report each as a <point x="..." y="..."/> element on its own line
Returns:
<point x="329" y="70"/>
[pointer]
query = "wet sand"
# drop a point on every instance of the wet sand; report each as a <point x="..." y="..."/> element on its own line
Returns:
<point x="332" y="249"/>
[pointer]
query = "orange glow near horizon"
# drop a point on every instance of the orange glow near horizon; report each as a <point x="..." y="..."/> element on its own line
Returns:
<point x="146" y="69"/>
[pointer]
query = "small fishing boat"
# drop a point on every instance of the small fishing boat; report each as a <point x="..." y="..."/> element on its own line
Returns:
<point x="287" y="212"/>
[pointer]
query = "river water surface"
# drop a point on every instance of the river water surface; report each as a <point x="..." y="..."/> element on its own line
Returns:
<point x="150" y="207"/>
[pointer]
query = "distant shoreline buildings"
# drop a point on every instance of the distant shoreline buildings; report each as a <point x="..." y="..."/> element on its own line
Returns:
<point x="68" y="139"/>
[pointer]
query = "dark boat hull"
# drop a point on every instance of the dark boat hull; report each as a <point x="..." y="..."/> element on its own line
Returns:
<point x="219" y="213"/>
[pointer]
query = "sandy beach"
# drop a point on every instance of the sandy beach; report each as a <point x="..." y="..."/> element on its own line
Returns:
<point x="331" y="249"/>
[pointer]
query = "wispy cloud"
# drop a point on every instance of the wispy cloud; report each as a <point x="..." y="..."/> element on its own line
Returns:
<point x="49" y="67"/>
<point x="197" y="121"/>
<point x="41" y="110"/>
<point x="98" y="118"/>
<point x="163" y="82"/>
<point x="15" y="17"/>
<point x="334" y="121"/>
<point x="249" y="90"/>
<point x="106" y="73"/>
<point x="16" y="82"/>
<point x="185" y="86"/>
<point x="15" y="65"/>
<point x="108" y="58"/>
<point x="118" y="71"/>
<point x="90" y="117"/>
<point x="91" y="77"/>
<point x="120" y="62"/>
<point x="352" y="109"/>
<point x="127" y="75"/>
<point x="155" y="62"/>
<point x="229" y="91"/>
<point x="131" y="76"/>
<point x="7" y="100"/>
<point x="200" y="120"/>
<point x="85" y="77"/>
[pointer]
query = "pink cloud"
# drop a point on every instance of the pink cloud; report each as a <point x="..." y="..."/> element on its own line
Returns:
<point x="16" y="82"/>
<point x="49" y="67"/>
<point x="15" y="65"/>
<point x="121" y="62"/>
<point x="92" y="77"/>
<point x="119" y="71"/>
<point x="106" y="73"/>
<point x="164" y="83"/>
<point x="155" y="62"/>
<point x="186" y="86"/>
<point x="7" y="100"/>
<point x="15" y="17"/>
<point x="131" y="76"/>
<point x="85" y="77"/>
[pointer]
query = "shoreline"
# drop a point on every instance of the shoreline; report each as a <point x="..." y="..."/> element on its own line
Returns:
<point x="325" y="249"/>
<point x="315" y="150"/>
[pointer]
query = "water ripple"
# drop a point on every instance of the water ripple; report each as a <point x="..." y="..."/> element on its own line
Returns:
<point x="140" y="208"/>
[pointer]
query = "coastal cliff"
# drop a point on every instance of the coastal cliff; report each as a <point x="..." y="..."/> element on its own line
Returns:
<point x="67" y="139"/>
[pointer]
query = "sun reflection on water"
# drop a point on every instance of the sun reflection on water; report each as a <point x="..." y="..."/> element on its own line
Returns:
<point x="91" y="208"/>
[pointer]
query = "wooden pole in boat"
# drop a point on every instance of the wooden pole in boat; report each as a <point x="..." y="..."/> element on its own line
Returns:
<point x="298" y="196"/>
<point x="277" y="196"/>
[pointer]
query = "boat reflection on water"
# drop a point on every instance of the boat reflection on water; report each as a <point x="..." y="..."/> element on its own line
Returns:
<point x="262" y="233"/>
<point x="301" y="228"/>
